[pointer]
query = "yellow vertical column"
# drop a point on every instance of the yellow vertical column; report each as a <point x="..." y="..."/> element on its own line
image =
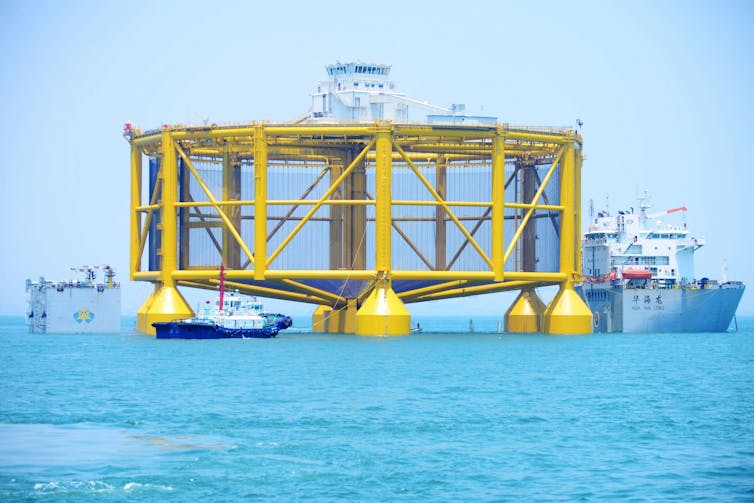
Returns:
<point x="167" y="303"/>
<point x="136" y="220"/>
<point x="356" y="226"/>
<point x="231" y="192"/>
<point x="184" y="220"/>
<point x="383" y="203"/>
<point x="579" y="158"/>
<point x="568" y="220"/>
<point x="567" y="313"/>
<point x="136" y="173"/>
<point x="528" y="257"/>
<point x="260" y="202"/>
<point x="383" y="313"/>
<point x="348" y="234"/>
<point x="498" y="201"/>
<point x="441" y="182"/>
<point x="320" y="318"/>
<point x="336" y="219"/>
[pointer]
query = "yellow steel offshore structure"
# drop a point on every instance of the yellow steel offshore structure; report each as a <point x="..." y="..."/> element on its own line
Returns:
<point x="350" y="153"/>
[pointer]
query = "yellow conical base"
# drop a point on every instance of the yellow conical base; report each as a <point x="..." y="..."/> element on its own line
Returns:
<point x="167" y="304"/>
<point x="567" y="313"/>
<point x="319" y="317"/>
<point x="335" y="321"/>
<point x="343" y="320"/>
<point x="525" y="314"/>
<point x="383" y="313"/>
<point x="141" y="314"/>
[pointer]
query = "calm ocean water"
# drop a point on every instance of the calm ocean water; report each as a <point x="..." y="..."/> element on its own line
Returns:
<point x="445" y="415"/>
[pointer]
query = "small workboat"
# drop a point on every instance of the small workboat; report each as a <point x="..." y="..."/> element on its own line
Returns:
<point x="230" y="316"/>
<point x="234" y="318"/>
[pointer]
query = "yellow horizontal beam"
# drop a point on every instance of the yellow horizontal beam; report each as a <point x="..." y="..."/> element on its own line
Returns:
<point x="329" y="202"/>
<point x="354" y="202"/>
<point x="362" y="202"/>
<point x="276" y="202"/>
<point x="146" y="275"/>
<point x="191" y="204"/>
<point x="526" y="206"/>
<point x="259" y="290"/>
<point x="443" y="203"/>
<point x="443" y="275"/>
<point x="470" y="133"/>
<point x="357" y="129"/>
<point x="344" y="131"/>
<point x="478" y="276"/>
<point x="481" y="289"/>
<point x="146" y="208"/>
<point x="276" y="274"/>
<point x="545" y="138"/>
<point x="348" y="202"/>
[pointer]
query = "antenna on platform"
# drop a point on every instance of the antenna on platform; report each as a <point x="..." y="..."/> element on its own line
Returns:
<point x="644" y="204"/>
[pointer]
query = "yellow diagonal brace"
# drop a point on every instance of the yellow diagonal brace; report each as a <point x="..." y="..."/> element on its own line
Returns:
<point x="476" y="227"/>
<point x="220" y="212"/>
<point x="407" y="239"/>
<point x="480" y="289"/>
<point x="418" y="292"/>
<point x="336" y="299"/>
<point x="533" y="202"/>
<point x="298" y="203"/>
<point x="445" y="206"/>
<point x="326" y="195"/>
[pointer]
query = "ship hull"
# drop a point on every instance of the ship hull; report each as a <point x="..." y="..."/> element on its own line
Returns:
<point x="640" y="310"/>
<point x="189" y="330"/>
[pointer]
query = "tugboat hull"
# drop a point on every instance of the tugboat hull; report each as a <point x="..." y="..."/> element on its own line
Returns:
<point x="190" y="330"/>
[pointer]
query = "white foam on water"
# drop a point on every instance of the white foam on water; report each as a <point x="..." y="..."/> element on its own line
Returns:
<point x="137" y="486"/>
<point x="94" y="486"/>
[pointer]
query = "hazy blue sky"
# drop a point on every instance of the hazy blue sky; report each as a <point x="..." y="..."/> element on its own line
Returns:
<point x="665" y="90"/>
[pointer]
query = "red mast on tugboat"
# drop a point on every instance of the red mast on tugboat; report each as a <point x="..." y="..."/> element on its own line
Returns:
<point x="222" y="286"/>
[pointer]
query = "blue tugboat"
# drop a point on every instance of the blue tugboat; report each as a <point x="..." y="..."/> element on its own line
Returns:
<point x="229" y="317"/>
<point x="238" y="319"/>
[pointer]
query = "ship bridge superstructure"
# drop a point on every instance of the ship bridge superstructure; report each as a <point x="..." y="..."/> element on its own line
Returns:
<point x="629" y="243"/>
<point x="363" y="92"/>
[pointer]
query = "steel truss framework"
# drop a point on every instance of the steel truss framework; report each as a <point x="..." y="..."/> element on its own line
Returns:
<point x="340" y="157"/>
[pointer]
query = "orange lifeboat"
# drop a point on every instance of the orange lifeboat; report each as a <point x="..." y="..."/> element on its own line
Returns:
<point x="637" y="274"/>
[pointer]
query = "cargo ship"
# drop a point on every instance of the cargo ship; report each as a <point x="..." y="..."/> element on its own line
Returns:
<point x="75" y="306"/>
<point x="639" y="276"/>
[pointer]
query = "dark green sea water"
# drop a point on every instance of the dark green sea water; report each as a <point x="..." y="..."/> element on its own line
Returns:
<point x="445" y="415"/>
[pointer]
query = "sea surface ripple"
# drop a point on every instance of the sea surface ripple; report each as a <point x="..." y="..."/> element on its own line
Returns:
<point x="445" y="415"/>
